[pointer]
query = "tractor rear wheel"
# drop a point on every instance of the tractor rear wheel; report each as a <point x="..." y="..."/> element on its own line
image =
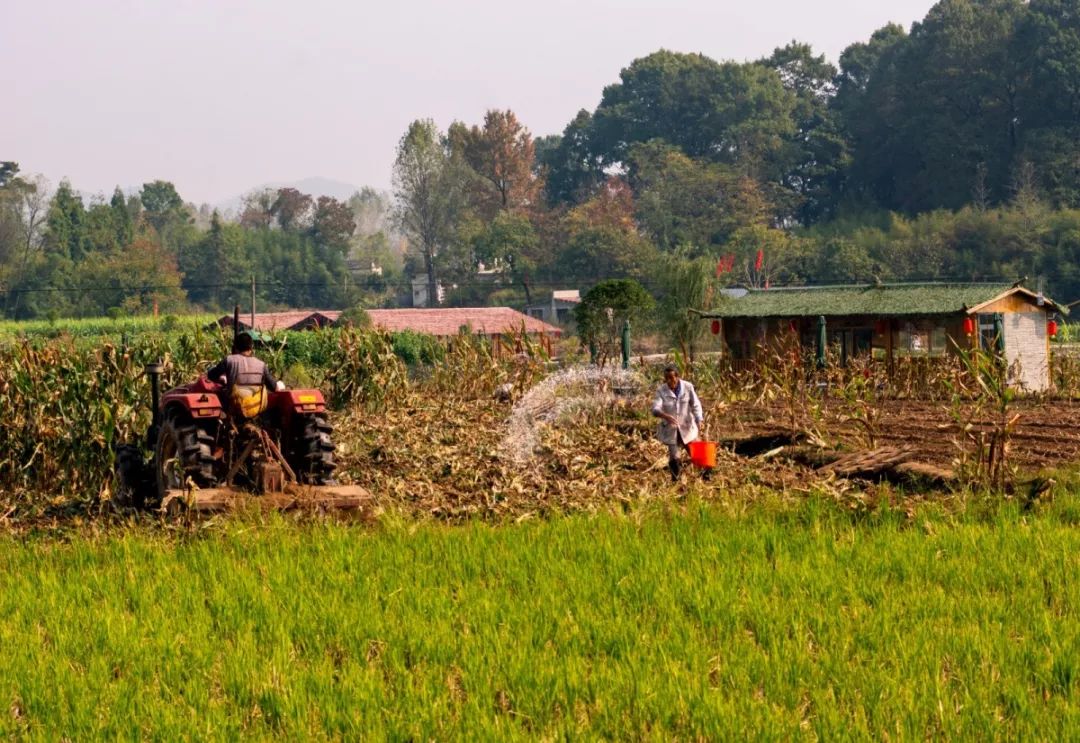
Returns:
<point x="184" y="453"/>
<point x="313" y="451"/>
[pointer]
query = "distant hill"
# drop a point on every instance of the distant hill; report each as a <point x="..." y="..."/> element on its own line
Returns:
<point x="314" y="186"/>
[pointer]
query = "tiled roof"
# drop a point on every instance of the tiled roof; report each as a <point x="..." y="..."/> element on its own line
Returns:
<point x="291" y="320"/>
<point x="883" y="299"/>
<point x="449" y="321"/>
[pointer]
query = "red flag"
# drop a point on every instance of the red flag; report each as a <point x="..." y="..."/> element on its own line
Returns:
<point x="725" y="265"/>
<point x="759" y="260"/>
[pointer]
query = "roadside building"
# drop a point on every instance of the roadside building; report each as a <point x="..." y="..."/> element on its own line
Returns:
<point x="421" y="291"/>
<point x="503" y="326"/>
<point x="558" y="309"/>
<point x="887" y="322"/>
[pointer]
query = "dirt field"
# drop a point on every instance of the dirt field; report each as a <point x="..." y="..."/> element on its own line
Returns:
<point x="1045" y="434"/>
<point x="594" y="458"/>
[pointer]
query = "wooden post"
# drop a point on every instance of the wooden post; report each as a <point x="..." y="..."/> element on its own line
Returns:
<point x="889" y="347"/>
<point x="253" y="302"/>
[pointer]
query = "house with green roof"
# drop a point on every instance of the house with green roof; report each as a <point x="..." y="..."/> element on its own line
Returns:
<point x="888" y="322"/>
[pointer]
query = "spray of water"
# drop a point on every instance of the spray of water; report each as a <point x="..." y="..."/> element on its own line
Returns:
<point x="571" y="391"/>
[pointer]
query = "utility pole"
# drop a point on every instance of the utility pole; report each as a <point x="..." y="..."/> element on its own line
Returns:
<point x="253" y="302"/>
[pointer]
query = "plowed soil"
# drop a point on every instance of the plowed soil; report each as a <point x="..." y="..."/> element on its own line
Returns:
<point x="1045" y="433"/>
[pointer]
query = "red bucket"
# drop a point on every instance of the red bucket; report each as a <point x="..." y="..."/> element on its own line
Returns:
<point x="703" y="453"/>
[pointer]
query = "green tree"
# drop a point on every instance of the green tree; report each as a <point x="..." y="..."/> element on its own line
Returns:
<point x="122" y="221"/>
<point x="65" y="233"/>
<point x="732" y="113"/>
<point x="1049" y="39"/>
<point x="137" y="278"/>
<point x="162" y="205"/>
<point x="217" y="269"/>
<point x="572" y="169"/>
<point x="942" y="107"/>
<point x="509" y="244"/>
<point x="813" y="161"/>
<point x="685" y="285"/>
<point x="601" y="238"/>
<point x="605" y="308"/>
<point x="682" y="201"/>
<point x="333" y="224"/>
<point x="429" y="195"/>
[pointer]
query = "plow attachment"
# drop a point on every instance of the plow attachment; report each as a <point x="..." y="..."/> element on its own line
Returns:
<point x="293" y="497"/>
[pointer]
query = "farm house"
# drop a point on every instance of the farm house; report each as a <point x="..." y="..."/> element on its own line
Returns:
<point x="498" y="324"/>
<point x="269" y="322"/>
<point x="895" y="321"/>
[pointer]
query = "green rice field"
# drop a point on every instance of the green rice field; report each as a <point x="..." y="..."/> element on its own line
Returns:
<point x="678" y="620"/>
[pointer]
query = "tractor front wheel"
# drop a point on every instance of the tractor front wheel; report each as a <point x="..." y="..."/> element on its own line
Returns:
<point x="184" y="455"/>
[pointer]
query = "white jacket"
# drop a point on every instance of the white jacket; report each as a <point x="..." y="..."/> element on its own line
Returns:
<point x="687" y="411"/>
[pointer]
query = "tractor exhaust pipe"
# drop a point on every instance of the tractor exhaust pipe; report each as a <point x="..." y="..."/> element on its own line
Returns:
<point x="154" y="372"/>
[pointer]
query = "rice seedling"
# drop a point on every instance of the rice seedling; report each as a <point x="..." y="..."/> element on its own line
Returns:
<point x="675" y="620"/>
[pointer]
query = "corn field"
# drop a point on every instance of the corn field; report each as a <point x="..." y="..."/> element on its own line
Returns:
<point x="446" y="438"/>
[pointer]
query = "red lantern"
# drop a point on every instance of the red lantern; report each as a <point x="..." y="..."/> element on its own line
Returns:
<point x="1051" y="328"/>
<point x="715" y="327"/>
<point x="969" y="326"/>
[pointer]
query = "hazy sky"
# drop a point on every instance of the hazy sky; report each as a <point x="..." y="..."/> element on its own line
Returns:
<point x="219" y="96"/>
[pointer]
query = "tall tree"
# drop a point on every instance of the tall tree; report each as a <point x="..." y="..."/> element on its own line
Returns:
<point x="942" y="105"/>
<point x="428" y="192"/>
<point x="814" y="158"/>
<point x="572" y="169"/>
<point x="121" y="217"/>
<point x="333" y="224"/>
<point x="685" y="285"/>
<point x="65" y="234"/>
<point x="162" y="205"/>
<point x="501" y="153"/>
<point x="292" y="209"/>
<point x="217" y="267"/>
<point x="255" y="211"/>
<point x="737" y="114"/>
<point x="1049" y="39"/>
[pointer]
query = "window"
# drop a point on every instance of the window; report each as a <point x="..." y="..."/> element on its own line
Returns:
<point x="921" y="339"/>
<point x="562" y="315"/>
<point x="537" y="313"/>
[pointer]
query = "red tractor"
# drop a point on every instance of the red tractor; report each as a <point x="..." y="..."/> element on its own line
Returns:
<point x="204" y="456"/>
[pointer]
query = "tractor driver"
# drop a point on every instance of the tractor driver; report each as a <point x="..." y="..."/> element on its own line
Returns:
<point x="245" y="377"/>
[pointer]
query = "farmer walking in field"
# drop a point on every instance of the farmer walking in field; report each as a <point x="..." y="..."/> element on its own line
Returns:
<point x="679" y="408"/>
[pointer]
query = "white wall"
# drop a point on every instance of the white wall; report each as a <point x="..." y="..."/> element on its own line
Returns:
<point x="1025" y="350"/>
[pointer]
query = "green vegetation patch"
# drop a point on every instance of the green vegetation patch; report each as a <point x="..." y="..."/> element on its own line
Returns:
<point x="902" y="299"/>
<point x="672" y="624"/>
